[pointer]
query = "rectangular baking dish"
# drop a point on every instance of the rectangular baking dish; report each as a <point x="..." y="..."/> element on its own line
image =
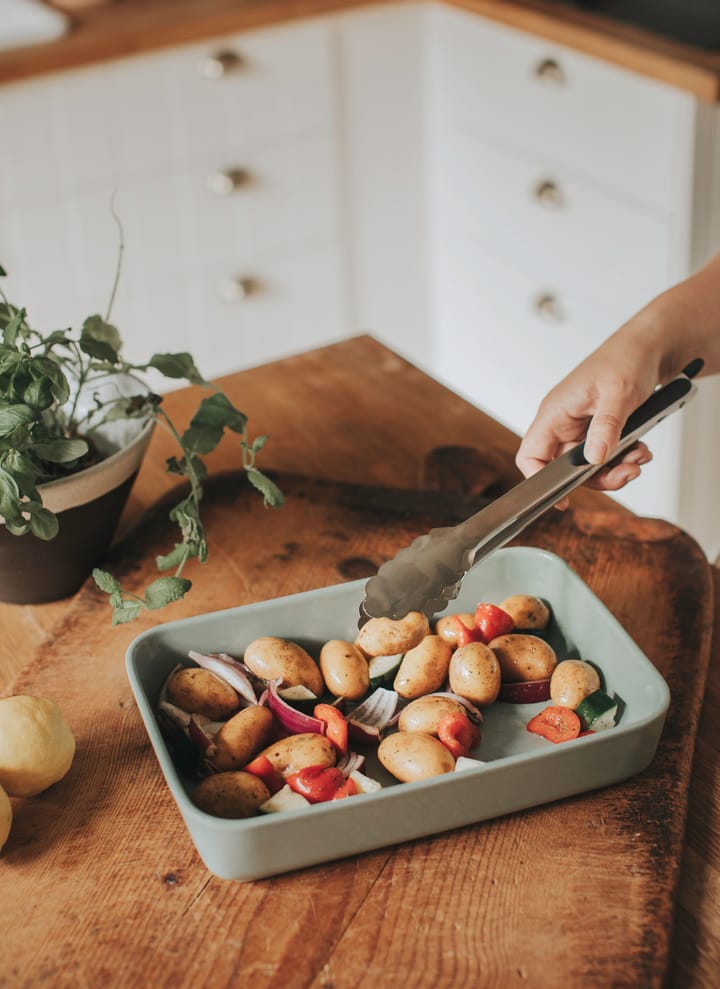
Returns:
<point x="520" y="769"/>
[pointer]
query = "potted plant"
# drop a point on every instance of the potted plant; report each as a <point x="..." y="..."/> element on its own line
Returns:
<point x="75" y="420"/>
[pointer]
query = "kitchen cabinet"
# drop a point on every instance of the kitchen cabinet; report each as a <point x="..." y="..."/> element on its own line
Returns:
<point x="489" y="203"/>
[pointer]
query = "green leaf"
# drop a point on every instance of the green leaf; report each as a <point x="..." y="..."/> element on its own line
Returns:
<point x="12" y="327"/>
<point x="45" y="368"/>
<point x="128" y="612"/>
<point x="9" y="490"/>
<point x="105" y="581"/>
<point x="272" y="495"/>
<point x="218" y="410"/>
<point x="100" y="340"/>
<point x="39" y="394"/>
<point x="21" y="468"/>
<point x="201" y="439"/>
<point x="174" y="558"/>
<point x="177" y="366"/>
<point x="61" y="451"/>
<point x="258" y="443"/>
<point x="164" y="590"/>
<point x="12" y="416"/>
<point x="3" y="273"/>
<point x="182" y="467"/>
<point x="43" y="524"/>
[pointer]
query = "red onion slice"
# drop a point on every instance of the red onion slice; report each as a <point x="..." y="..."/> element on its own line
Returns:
<point x="292" y="720"/>
<point x="525" y="692"/>
<point x="229" y="670"/>
<point x="351" y="762"/>
<point x="200" y="735"/>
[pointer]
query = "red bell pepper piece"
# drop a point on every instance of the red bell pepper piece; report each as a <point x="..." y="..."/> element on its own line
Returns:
<point x="261" y="767"/>
<point x="557" y="724"/>
<point x="491" y="621"/>
<point x="458" y="733"/>
<point x="337" y="726"/>
<point x="465" y="634"/>
<point x="316" y="783"/>
<point x="348" y="789"/>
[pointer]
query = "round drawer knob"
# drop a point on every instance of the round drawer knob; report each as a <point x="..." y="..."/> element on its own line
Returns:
<point x="225" y="182"/>
<point x="219" y="64"/>
<point x="548" y="70"/>
<point x="548" y="193"/>
<point x="548" y="307"/>
<point x="239" y="288"/>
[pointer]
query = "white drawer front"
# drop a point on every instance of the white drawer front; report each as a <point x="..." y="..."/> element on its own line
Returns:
<point x="626" y="132"/>
<point x="134" y="115"/>
<point x="541" y="219"/>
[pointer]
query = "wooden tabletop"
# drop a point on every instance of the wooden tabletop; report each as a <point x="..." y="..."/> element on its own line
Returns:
<point x="99" y="873"/>
<point x="127" y="27"/>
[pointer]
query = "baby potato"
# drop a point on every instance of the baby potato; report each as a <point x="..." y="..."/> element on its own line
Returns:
<point x="242" y="737"/>
<point x="388" y="636"/>
<point x="572" y="681"/>
<point x="230" y="795"/>
<point x="523" y="657"/>
<point x="446" y="627"/>
<point x="199" y="691"/>
<point x="423" y="668"/>
<point x="474" y="673"/>
<point x="527" y="611"/>
<point x="424" y="713"/>
<point x="344" y="669"/>
<point x="413" y="755"/>
<point x="298" y="751"/>
<point x="271" y="658"/>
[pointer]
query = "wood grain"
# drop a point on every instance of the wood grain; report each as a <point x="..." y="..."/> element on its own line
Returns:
<point x="99" y="872"/>
<point x="129" y="27"/>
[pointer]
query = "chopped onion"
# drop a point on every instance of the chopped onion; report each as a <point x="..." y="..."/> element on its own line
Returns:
<point x="351" y="762"/>
<point x="293" y="721"/>
<point x="229" y="670"/>
<point x="365" y="734"/>
<point x="377" y="709"/>
<point x="201" y="735"/>
<point x="525" y="692"/>
<point x="474" y="711"/>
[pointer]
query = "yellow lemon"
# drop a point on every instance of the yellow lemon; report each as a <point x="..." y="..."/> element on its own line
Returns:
<point x="36" y="744"/>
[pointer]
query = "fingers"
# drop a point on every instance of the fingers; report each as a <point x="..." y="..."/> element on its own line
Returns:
<point x="603" y="435"/>
<point x="621" y="472"/>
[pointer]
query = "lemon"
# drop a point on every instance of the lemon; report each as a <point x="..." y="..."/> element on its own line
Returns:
<point x="36" y="744"/>
<point x="5" y="817"/>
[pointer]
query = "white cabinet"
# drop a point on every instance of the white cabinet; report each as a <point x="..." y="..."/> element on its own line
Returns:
<point x="564" y="194"/>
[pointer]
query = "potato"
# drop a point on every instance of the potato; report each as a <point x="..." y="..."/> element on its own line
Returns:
<point x="199" y="691"/>
<point x="298" y="751"/>
<point x="230" y="795"/>
<point x="475" y="673"/>
<point x="523" y="657"/>
<point x="271" y="658"/>
<point x="344" y="669"/>
<point x="423" y="668"/>
<point x="37" y="745"/>
<point x="424" y="713"/>
<point x="5" y="817"/>
<point x="527" y="611"/>
<point x="242" y="737"/>
<point x="572" y="681"/>
<point x="446" y="627"/>
<point x="413" y="755"/>
<point x="387" y="636"/>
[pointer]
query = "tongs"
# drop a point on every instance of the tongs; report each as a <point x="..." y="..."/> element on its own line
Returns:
<point x="426" y="575"/>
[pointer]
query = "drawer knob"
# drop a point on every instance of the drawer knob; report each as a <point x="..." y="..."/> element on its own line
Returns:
<point x="548" y="306"/>
<point x="220" y="64"/>
<point x="239" y="288"/>
<point x="548" y="193"/>
<point x="227" y="181"/>
<point x="548" y="70"/>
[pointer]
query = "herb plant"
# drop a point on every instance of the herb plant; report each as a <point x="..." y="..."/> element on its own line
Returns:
<point x="56" y="392"/>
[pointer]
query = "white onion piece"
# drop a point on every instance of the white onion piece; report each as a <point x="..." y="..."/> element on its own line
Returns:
<point x="292" y="720"/>
<point x="175" y="714"/>
<point x="351" y="762"/>
<point x="229" y="670"/>
<point x="471" y="708"/>
<point x="200" y="735"/>
<point x="376" y="710"/>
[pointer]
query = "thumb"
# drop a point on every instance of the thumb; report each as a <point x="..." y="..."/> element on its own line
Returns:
<point x="603" y="435"/>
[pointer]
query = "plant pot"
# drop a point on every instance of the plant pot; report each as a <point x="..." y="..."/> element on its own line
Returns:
<point x="88" y="505"/>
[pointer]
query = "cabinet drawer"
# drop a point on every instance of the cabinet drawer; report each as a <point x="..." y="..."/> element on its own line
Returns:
<point x="496" y="343"/>
<point x="541" y="219"/>
<point x="626" y="132"/>
<point x="138" y="114"/>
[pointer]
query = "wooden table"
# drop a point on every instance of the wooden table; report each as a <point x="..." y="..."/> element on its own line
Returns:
<point x="99" y="880"/>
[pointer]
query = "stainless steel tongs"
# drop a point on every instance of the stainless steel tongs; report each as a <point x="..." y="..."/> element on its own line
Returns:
<point x="426" y="575"/>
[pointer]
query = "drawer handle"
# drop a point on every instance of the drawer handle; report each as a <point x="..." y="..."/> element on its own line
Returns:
<point x="227" y="181"/>
<point x="548" y="306"/>
<point x="240" y="288"/>
<point x="548" y="193"/>
<point x="548" y="70"/>
<point x="220" y="64"/>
